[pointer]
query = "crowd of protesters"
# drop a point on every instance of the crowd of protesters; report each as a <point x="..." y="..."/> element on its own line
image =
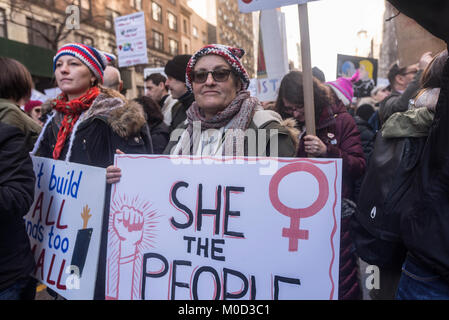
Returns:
<point x="90" y="121"/>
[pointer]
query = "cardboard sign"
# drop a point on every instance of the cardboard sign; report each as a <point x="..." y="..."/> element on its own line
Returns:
<point x="246" y="6"/>
<point x="348" y="65"/>
<point x="64" y="225"/>
<point x="222" y="228"/>
<point x="131" y="39"/>
<point x="414" y="41"/>
<point x="265" y="89"/>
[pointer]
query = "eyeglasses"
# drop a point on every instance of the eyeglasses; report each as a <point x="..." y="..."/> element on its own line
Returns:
<point x="220" y="75"/>
<point x="408" y="72"/>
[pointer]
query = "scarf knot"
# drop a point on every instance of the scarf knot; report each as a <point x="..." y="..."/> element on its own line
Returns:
<point x="71" y="111"/>
<point x="236" y="118"/>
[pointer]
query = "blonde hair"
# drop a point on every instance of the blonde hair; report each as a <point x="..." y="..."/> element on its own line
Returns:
<point x="368" y="67"/>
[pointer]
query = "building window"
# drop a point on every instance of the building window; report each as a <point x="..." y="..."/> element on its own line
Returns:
<point x="110" y="18"/>
<point x="172" y="21"/>
<point x="184" y="26"/>
<point x="156" y="12"/>
<point x="195" y="32"/>
<point x="36" y="32"/>
<point x="158" y="40"/>
<point x="84" y="39"/>
<point x="3" y="31"/>
<point x="136" y="4"/>
<point x="186" y="49"/>
<point x="173" y="47"/>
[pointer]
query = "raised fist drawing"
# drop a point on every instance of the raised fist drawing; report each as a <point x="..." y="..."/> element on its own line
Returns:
<point x="128" y="224"/>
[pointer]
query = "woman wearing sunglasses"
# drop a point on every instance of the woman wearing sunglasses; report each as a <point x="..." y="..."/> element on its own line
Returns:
<point x="219" y="83"/>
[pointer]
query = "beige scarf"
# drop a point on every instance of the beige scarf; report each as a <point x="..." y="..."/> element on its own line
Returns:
<point x="236" y="117"/>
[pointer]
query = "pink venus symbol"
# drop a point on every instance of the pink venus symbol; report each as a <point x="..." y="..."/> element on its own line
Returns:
<point x="294" y="233"/>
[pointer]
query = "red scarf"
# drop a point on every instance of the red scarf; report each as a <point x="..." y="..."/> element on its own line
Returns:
<point x="72" y="111"/>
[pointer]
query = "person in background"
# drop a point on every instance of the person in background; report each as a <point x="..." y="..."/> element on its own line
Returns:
<point x="155" y="120"/>
<point x="112" y="78"/>
<point x="175" y="70"/>
<point x="379" y="93"/>
<point x="15" y="91"/>
<point x="344" y="91"/>
<point x="336" y="137"/>
<point x="317" y="73"/>
<point x="157" y="90"/>
<point x="404" y="85"/>
<point x="17" y="181"/>
<point x="90" y="122"/>
<point x="33" y="109"/>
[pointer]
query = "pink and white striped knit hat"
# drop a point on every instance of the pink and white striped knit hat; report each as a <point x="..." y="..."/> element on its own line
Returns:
<point x="230" y="54"/>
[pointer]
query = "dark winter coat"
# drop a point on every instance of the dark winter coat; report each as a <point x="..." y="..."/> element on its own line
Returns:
<point x="160" y="136"/>
<point x="16" y="196"/>
<point x="110" y="123"/>
<point x="367" y="135"/>
<point x="337" y="129"/>
<point x="179" y="110"/>
<point x="398" y="102"/>
<point x="425" y="223"/>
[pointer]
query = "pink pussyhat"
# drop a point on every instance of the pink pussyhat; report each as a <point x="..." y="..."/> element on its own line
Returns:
<point x="343" y="88"/>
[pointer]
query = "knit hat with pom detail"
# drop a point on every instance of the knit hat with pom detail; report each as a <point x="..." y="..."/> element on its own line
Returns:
<point x="230" y="54"/>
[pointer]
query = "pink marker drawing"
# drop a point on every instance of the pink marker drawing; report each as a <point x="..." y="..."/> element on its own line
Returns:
<point x="131" y="232"/>
<point x="294" y="233"/>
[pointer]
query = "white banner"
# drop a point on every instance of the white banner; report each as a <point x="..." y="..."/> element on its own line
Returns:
<point x="209" y="228"/>
<point x="255" y="5"/>
<point x="265" y="89"/>
<point x="64" y="225"/>
<point x="131" y="39"/>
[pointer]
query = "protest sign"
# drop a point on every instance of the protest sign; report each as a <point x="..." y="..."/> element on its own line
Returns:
<point x="222" y="228"/>
<point x="246" y="6"/>
<point x="64" y="225"/>
<point x="131" y="39"/>
<point x="348" y="65"/>
<point x="265" y="89"/>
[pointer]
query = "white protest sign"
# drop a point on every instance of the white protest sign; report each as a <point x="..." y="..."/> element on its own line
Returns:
<point x="64" y="225"/>
<point x="131" y="39"/>
<point x="255" y="5"/>
<point x="265" y="89"/>
<point x="211" y="228"/>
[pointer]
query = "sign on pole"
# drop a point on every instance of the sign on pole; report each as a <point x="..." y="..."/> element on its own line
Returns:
<point x="223" y="228"/>
<point x="131" y="39"/>
<point x="64" y="226"/>
<point x="255" y="5"/>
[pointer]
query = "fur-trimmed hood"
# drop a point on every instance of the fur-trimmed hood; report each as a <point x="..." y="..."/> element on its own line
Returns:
<point x="290" y="124"/>
<point x="125" y="117"/>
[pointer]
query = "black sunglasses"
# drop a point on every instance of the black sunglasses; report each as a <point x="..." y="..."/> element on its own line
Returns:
<point x="220" y="75"/>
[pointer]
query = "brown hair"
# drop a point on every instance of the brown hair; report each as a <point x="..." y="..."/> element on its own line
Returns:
<point x="431" y="77"/>
<point x="15" y="80"/>
<point x="291" y="89"/>
<point x="152" y="110"/>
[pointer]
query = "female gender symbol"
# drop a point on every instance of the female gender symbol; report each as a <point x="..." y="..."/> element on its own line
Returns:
<point x="294" y="234"/>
